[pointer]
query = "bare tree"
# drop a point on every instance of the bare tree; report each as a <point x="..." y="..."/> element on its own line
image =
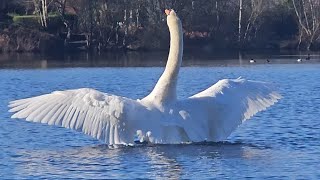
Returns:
<point x="41" y="7"/>
<point x="217" y="11"/>
<point x="307" y="12"/>
<point x="257" y="8"/>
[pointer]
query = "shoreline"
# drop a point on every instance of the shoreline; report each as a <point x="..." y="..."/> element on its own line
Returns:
<point x="17" y="38"/>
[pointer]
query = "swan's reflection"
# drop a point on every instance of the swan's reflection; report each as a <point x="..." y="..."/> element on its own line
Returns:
<point x="183" y="161"/>
<point x="156" y="162"/>
<point x="88" y="162"/>
<point x="163" y="166"/>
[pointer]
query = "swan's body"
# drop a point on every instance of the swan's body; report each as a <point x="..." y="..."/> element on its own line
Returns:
<point x="160" y="117"/>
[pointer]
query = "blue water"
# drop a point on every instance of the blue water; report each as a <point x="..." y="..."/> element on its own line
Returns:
<point x="280" y="143"/>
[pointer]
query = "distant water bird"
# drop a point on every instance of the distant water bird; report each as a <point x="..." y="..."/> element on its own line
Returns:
<point x="160" y="117"/>
<point x="308" y="57"/>
<point x="299" y="60"/>
<point x="268" y="61"/>
<point x="252" y="61"/>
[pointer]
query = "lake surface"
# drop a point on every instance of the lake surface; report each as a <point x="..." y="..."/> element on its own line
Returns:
<point x="280" y="143"/>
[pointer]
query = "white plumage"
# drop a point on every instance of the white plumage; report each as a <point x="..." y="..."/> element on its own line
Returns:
<point x="160" y="117"/>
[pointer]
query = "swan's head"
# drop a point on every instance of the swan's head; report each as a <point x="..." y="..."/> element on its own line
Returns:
<point x="172" y="18"/>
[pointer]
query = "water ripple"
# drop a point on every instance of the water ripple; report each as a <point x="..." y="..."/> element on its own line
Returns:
<point x="275" y="144"/>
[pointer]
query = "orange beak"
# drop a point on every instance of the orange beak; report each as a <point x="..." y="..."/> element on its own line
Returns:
<point x="167" y="11"/>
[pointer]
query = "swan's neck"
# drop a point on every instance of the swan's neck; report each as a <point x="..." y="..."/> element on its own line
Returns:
<point x="165" y="90"/>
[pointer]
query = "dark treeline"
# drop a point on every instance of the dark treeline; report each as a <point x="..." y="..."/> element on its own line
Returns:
<point x="140" y="24"/>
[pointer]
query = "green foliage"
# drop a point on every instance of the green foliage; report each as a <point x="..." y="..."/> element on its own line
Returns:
<point x="34" y="20"/>
<point x="30" y="20"/>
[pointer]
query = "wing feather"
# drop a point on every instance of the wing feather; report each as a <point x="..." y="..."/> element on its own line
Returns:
<point x="58" y="121"/>
<point x="96" y="114"/>
<point x="232" y="101"/>
<point x="65" y="119"/>
<point x="47" y="117"/>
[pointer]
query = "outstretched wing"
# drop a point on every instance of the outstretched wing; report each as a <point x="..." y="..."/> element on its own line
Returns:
<point x="97" y="114"/>
<point x="232" y="101"/>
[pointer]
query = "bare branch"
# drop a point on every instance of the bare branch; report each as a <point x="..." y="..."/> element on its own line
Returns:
<point x="299" y="17"/>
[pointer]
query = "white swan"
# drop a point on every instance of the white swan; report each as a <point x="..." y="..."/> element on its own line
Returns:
<point x="210" y="115"/>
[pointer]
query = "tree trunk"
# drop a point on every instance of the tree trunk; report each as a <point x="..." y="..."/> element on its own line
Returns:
<point x="217" y="12"/>
<point x="137" y="17"/>
<point x="37" y="9"/>
<point x="91" y="9"/>
<point x="125" y="20"/>
<point x="41" y="7"/>
<point x="240" y="17"/>
<point x="44" y="13"/>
